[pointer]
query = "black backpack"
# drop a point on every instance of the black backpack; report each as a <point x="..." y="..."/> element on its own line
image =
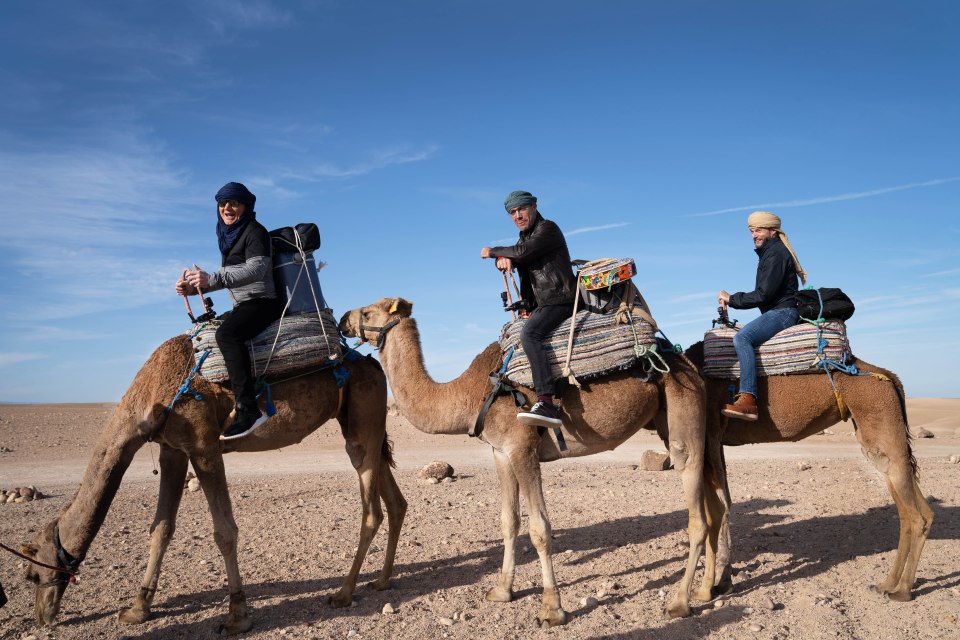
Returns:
<point x="284" y="239"/>
<point x="827" y="303"/>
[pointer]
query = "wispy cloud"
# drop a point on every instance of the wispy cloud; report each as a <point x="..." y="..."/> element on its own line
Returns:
<point x="603" y="227"/>
<point x="379" y="160"/>
<point x="7" y="359"/>
<point x="937" y="274"/>
<point x="827" y="199"/>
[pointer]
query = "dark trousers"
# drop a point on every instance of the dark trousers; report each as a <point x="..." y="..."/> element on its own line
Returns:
<point x="541" y="322"/>
<point x="244" y="322"/>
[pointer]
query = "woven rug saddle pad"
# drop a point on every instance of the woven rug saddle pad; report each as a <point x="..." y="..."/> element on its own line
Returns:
<point x="600" y="346"/>
<point x="305" y="343"/>
<point x="793" y="350"/>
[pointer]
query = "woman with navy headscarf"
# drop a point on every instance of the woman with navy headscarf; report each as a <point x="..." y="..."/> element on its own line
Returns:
<point x="246" y="272"/>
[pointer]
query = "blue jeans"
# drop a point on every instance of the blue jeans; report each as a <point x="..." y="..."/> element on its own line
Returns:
<point x="755" y="333"/>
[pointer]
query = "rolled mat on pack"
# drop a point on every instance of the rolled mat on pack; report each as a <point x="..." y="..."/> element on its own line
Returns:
<point x="307" y="341"/>
<point x="600" y="346"/>
<point x="792" y="351"/>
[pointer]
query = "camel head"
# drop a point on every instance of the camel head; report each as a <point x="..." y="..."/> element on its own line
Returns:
<point x="371" y="323"/>
<point x="50" y="583"/>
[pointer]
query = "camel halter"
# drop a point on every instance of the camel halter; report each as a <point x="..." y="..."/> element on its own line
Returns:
<point x="66" y="563"/>
<point x="380" y="331"/>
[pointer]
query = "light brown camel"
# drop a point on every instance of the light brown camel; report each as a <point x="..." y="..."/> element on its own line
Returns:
<point x="191" y="435"/>
<point x="794" y="407"/>
<point x="599" y="417"/>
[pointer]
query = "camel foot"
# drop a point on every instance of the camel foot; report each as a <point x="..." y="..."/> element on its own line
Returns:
<point x="341" y="600"/>
<point x="233" y="627"/>
<point x="499" y="594"/>
<point x="678" y="609"/>
<point x="703" y="594"/>
<point x="381" y="584"/>
<point x="724" y="585"/>
<point x="551" y="617"/>
<point x="901" y="595"/>
<point x="134" y="615"/>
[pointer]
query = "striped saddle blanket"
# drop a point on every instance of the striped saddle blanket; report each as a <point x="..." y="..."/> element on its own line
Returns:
<point x="306" y="342"/>
<point x="793" y="350"/>
<point x="600" y="346"/>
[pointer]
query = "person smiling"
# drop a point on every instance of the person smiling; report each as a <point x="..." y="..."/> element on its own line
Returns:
<point x="542" y="259"/>
<point x="246" y="272"/>
<point x="775" y="295"/>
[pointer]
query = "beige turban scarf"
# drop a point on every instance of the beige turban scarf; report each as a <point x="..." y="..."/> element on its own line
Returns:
<point x="766" y="220"/>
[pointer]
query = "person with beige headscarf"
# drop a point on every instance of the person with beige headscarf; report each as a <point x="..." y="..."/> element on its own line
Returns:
<point x="774" y="294"/>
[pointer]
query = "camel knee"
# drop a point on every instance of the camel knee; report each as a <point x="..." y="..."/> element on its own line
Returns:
<point x="678" y="455"/>
<point x="878" y="459"/>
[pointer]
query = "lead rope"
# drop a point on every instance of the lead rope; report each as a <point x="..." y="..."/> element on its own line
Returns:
<point x="572" y="379"/>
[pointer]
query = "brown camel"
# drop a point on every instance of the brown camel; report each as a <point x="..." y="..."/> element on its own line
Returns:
<point x="794" y="407"/>
<point x="190" y="434"/>
<point x="598" y="417"/>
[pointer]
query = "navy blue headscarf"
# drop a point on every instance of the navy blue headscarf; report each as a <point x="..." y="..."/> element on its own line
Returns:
<point x="227" y="235"/>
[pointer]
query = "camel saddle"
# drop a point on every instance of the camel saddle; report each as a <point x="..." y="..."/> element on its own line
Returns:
<point x="792" y="351"/>
<point x="306" y="341"/>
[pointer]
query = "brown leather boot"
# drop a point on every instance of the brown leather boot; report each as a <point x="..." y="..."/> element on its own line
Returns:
<point x="744" y="408"/>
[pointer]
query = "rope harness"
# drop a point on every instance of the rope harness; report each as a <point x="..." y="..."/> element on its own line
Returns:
<point x="66" y="562"/>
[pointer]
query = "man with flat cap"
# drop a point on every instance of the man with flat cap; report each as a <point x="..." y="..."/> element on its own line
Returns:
<point x="542" y="260"/>
<point x="775" y="295"/>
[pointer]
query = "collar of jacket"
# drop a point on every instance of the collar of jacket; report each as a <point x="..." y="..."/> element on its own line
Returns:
<point x="526" y="234"/>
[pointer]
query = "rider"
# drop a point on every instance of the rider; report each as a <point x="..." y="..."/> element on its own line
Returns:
<point x="546" y="280"/>
<point x="246" y="273"/>
<point x="774" y="294"/>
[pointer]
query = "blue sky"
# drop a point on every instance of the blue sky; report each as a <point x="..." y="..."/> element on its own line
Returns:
<point x="647" y="130"/>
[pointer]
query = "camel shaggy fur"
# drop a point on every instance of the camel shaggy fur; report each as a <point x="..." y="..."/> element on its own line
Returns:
<point x="189" y="434"/>
<point x="793" y="407"/>
<point x="598" y="417"/>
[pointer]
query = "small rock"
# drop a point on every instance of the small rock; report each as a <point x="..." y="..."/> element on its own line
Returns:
<point x="768" y="603"/>
<point x="445" y="622"/>
<point x="655" y="461"/>
<point x="448" y="479"/>
<point x="662" y="593"/>
<point x="437" y="470"/>
<point x="589" y="602"/>
<point x="920" y="432"/>
<point x="803" y="465"/>
<point x="193" y="484"/>
<point x="756" y="628"/>
<point x="748" y="610"/>
<point x="388" y="608"/>
<point x="954" y="459"/>
<point x="351" y="633"/>
<point x="26" y="492"/>
<point x="432" y="481"/>
<point x="719" y="603"/>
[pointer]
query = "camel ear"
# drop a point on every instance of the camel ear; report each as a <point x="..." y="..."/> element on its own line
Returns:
<point x="29" y="550"/>
<point x="401" y="307"/>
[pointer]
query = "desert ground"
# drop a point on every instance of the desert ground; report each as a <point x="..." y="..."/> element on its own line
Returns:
<point x="813" y="527"/>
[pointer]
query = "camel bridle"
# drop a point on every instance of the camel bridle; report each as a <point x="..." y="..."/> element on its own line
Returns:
<point x="380" y="331"/>
<point x="67" y="563"/>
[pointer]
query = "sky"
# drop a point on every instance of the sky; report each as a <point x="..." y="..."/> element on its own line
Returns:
<point x="647" y="130"/>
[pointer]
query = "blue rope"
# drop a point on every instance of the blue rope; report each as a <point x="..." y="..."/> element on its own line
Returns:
<point x="506" y="361"/>
<point x="185" y="387"/>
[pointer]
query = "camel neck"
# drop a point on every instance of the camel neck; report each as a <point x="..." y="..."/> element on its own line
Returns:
<point x="447" y="408"/>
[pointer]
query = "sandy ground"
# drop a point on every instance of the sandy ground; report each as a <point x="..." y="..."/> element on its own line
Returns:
<point x="808" y="541"/>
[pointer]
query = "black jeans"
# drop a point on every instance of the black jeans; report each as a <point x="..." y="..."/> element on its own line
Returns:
<point x="244" y="322"/>
<point x="541" y="322"/>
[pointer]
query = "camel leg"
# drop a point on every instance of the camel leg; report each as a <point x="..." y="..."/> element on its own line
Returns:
<point x="213" y="481"/>
<point x="173" y="471"/>
<point x="526" y="467"/>
<point x="916" y="517"/>
<point x="509" y="524"/>
<point x="717" y="482"/>
<point x="686" y="423"/>
<point x="396" y="511"/>
<point x="370" y="521"/>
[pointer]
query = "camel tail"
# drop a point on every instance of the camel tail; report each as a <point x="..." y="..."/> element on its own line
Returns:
<point x="902" y="397"/>
<point x="386" y="453"/>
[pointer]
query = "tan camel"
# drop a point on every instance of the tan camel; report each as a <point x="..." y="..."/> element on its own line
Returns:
<point x="191" y="435"/>
<point x="599" y="417"/>
<point x="794" y="407"/>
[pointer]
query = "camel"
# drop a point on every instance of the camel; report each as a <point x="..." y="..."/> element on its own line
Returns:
<point x="189" y="433"/>
<point x="599" y="417"/>
<point x="793" y="407"/>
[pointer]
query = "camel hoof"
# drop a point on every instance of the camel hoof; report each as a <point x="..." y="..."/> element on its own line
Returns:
<point x="380" y="585"/>
<point x="499" y="594"/>
<point x="722" y="588"/>
<point x="552" y="618"/>
<point x="133" y="615"/>
<point x="703" y="595"/>
<point x="233" y="627"/>
<point x="340" y="601"/>
<point x="678" y="610"/>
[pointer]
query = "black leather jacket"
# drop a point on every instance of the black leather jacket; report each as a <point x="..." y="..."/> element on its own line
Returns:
<point x="543" y="262"/>
<point x="776" y="286"/>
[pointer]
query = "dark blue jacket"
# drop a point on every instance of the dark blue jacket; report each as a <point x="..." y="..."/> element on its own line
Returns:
<point x="777" y="280"/>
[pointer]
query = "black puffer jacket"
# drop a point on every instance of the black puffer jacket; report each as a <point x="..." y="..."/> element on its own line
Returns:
<point x="776" y="286"/>
<point x="543" y="262"/>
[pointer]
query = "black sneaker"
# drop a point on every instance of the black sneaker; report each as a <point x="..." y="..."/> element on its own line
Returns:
<point x="244" y="423"/>
<point x="541" y="415"/>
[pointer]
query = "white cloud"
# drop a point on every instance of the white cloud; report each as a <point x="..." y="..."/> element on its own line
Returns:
<point x="381" y="159"/>
<point x="11" y="358"/>
<point x="604" y="227"/>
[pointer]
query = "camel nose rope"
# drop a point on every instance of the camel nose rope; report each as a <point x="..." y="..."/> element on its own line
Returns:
<point x="71" y="572"/>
